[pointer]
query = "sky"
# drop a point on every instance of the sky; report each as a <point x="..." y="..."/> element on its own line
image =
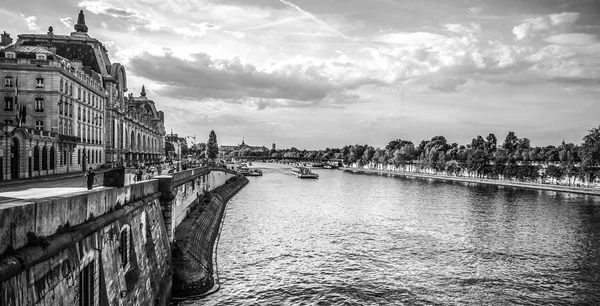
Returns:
<point x="313" y="74"/>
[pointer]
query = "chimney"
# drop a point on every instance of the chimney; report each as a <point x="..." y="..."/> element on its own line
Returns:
<point x="6" y="40"/>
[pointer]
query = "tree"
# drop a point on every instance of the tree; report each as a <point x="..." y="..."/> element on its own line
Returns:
<point x="510" y="143"/>
<point x="212" y="147"/>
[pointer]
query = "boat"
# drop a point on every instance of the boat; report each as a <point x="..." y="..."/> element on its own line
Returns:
<point x="303" y="172"/>
<point x="318" y="165"/>
<point x="328" y="166"/>
<point x="244" y="170"/>
<point x="253" y="172"/>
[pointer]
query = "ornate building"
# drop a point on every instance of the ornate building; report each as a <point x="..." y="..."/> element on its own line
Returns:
<point x="230" y="151"/>
<point x="64" y="108"/>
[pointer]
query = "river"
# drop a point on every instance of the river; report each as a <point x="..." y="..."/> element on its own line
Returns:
<point x="356" y="239"/>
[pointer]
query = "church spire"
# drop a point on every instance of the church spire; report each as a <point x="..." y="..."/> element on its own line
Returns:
<point x="80" y="26"/>
<point x="143" y="93"/>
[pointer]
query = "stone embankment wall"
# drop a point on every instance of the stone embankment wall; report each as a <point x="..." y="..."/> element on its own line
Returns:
<point x="180" y="192"/>
<point x="548" y="187"/>
<point x="107" y="246"/>
<point x="195" y="238"/>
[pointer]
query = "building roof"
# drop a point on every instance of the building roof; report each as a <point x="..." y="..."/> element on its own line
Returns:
<point x="28" y="49"/>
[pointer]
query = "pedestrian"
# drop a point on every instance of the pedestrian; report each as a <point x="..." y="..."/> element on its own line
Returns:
<point x="90" y="177"/>
<point x="138" y="174"/>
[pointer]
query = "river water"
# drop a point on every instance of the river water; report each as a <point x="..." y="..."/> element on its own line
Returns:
<point x="355" y="239"/>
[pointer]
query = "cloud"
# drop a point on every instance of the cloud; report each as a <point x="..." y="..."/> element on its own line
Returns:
<point x="317" y="20"/>
<point x="475" y="10"/>
<point x="531" y="25"/>
<point x="67" y="22"/>
<point x="449" y="84"/>
<point x="292" y="85"/>
<point x="461" y="29"/>
<point x="579" y="39"/>
<point x="31" y="25"/>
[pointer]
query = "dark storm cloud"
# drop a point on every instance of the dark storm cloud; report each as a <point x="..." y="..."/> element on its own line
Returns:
<point x="205" y="77"/>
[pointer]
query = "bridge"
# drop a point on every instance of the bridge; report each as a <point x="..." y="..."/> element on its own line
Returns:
<point x="115" y="245"/>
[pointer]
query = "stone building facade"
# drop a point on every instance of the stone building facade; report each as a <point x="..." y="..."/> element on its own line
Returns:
<point x="65" y="108"/>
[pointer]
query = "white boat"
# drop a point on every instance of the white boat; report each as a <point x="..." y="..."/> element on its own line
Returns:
<point x="303" y="172"/>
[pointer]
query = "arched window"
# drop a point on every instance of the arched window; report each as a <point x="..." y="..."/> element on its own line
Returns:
<point x="36" y="158"/>
<point x="71" y="90"/>
<point x="64" y="157"/>
<point x="79" y="157"/>
<point x="44" y="158"/>
<point x="52" y="158"/>
<point x="61" y="85"/>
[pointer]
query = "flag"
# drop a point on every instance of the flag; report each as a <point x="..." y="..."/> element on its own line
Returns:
<point x="18" y="117"/>
<point x="23" y="113"/>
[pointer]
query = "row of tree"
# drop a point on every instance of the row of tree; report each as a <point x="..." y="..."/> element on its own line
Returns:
<point x="484" y="157"/>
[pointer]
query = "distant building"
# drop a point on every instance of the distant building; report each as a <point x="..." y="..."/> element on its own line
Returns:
<point x="178" y="143"/>
<point x="274" y="148"/>
<point x="225" y="151"/>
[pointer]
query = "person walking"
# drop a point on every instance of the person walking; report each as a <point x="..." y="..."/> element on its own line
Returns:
<point x="90" y="177"/>
<point x="138" y="174"/>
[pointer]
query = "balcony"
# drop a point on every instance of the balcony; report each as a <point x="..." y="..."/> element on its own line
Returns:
<point x="8" y="60"/>
<point x="68" y="138"/>
<point x="39" y="62"/>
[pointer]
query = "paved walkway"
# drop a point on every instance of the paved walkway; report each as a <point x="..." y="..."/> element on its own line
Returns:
<point x="560" y="188"/>
<point x="45" y="186"/>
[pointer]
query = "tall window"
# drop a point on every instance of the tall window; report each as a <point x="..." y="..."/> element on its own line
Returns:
<point x="78" y="112"/>
<point x="89" y="97"/>
<point x="39" y="105"/>
<point x="60" y="105"/>
<point x="86" y="285"/>
<point x="124" y="247"/>
<point x="8" y="104"/>
<point x="84" y="96"/>
<point x="39" y="125"/>
<point x="71" y="110"/>
<point x="8" y="81"/>
<point x="61" y="85"/>
<point x="39" y="83"/>
<point x="71" y="90"/>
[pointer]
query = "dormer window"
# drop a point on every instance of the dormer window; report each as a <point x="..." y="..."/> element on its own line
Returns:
<point x="39" y="83"/>
<point x="40" y="56"/>
<point x="10" y="55"/>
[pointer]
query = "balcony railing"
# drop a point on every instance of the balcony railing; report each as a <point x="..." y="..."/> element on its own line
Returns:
<point x="68" y="138"/>
<point x="39" y="62"/>
<point x="8" y="60"/>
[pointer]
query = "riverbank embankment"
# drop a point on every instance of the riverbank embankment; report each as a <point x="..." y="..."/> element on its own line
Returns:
<point x="193" y="266"/>
<point x="549" y="187"/>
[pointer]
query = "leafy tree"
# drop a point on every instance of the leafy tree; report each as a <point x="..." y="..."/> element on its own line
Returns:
<point x="510" y="143"/>
<point x="478" y="143"/>
<point x="212" y="147"/>
<point x="490" y="143"/>
<point x="554" y="172"/>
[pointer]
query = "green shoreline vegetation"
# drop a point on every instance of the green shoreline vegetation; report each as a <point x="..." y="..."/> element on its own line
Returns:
<point x="514" y="160"/>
